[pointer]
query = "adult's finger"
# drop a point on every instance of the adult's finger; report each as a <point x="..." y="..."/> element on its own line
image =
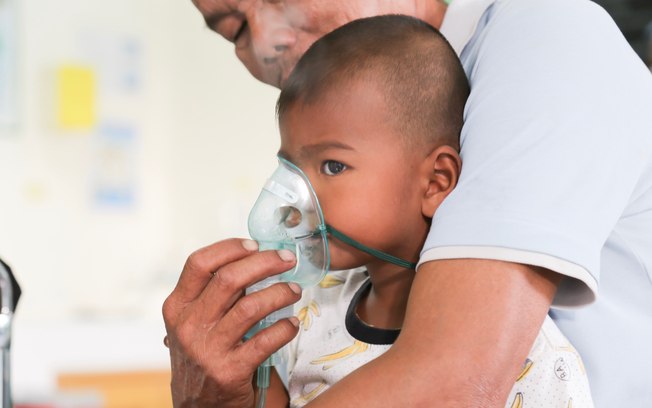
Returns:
<point x="250" y="309"/>
<point x="258" y="348"/>
<point x="226" y="287"/>
<point x="201" y="265"/>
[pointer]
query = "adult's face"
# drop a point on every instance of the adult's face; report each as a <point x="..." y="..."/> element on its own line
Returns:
<point x="271" y="35"/>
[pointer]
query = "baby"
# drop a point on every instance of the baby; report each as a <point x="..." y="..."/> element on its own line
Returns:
<point x="372" y="116"/>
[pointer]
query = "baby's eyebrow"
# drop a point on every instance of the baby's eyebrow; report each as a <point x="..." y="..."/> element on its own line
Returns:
<point x="316" y="148"/>
<point x="308" y="151"/>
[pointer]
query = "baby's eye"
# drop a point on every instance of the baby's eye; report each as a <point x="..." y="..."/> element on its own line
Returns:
<point x="332" y="167"/>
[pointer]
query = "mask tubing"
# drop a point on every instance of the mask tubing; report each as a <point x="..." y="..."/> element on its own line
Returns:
<point x="262" y="382"/>
<point x="284" y="313"/>
<point x="373" y="252"/>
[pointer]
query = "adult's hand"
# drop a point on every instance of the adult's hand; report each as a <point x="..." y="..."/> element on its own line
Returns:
<point x="207" y="315"/>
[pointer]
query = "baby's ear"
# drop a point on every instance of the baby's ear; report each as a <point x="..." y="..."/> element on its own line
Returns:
<point x="440" y="172"/>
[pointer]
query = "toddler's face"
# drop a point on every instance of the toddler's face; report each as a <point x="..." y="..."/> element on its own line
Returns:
<point x="366" y="180"/>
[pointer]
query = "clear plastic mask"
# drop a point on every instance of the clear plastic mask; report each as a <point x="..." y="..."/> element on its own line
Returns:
<point x="287" y="215"/>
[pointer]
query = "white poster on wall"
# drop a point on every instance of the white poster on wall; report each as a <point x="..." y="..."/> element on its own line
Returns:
<point x="8" y="78"/>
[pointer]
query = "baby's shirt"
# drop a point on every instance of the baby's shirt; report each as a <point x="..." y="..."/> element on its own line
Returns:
<point x="333" y="342"/>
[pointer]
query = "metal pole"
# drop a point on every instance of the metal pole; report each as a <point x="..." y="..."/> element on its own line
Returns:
<point x="6" y="379"/>
<point x="6" y="317"/>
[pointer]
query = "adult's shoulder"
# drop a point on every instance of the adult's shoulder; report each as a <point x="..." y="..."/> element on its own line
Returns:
<point x="544" y="43"/>
<point x="553" y="82"/>
<point x="553" y="13"/>
<point x="527" y="27"/>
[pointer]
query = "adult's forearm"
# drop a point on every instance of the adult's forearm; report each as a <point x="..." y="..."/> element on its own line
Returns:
<point x="468" y="329"/>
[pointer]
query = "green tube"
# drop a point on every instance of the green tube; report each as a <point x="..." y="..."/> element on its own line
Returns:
<point x="262" y="381"/>
<point x="374" y="252"/>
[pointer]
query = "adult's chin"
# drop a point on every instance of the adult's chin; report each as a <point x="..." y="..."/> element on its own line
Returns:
<point x="270" y="76"/>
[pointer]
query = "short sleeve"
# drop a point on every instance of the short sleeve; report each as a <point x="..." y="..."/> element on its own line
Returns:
<point x="550" y="158"/>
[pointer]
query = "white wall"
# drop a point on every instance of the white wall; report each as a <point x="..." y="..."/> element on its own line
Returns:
<point x="206" y="140"/>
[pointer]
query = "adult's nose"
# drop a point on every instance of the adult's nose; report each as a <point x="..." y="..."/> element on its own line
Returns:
<point x="274" y="42"/>
<point x="283" y="38"/>
<point x="271" y="31"/>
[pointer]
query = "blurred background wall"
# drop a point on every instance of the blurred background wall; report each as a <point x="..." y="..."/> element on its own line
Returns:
<point x="100" y="207"/>
<point x="98" y="210"/>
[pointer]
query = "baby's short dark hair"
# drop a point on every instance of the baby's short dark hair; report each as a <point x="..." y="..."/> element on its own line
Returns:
<point x="410" y="62"/>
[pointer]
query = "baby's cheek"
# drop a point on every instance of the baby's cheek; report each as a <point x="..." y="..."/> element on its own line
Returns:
<point x="343" y="256"/>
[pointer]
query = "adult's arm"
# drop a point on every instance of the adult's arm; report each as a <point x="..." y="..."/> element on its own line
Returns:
<point x="469" y="326"/>
<point x="207" y="316"/>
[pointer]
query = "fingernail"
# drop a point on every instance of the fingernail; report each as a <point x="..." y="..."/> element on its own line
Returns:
<point x="250" y="245"/>
<point x="286" y="255"/>
<point x="294" y="320"/>
<point x="295" y="288"/>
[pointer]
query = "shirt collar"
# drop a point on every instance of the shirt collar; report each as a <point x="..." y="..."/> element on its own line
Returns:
<point x="461" y="20"/>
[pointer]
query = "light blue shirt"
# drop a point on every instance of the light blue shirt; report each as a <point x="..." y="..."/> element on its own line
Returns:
<point x="557" y="172"/>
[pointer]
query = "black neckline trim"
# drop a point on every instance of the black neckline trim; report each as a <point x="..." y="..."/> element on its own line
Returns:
<point x="361" y="330"/>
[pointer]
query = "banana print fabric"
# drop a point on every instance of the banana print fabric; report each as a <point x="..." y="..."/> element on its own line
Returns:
<point x="325" y="350"/>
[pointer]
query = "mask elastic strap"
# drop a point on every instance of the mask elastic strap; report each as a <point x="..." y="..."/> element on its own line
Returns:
<point x="374" y="252"/>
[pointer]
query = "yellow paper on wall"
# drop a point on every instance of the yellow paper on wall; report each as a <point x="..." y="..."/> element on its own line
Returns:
<point x="76" y="97"/>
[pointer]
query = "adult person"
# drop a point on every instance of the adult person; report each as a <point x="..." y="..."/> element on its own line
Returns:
<point x="553" y="207"/>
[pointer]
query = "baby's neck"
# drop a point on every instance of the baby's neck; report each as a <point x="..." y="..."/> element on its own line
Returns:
<point x="384" y="306"/>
